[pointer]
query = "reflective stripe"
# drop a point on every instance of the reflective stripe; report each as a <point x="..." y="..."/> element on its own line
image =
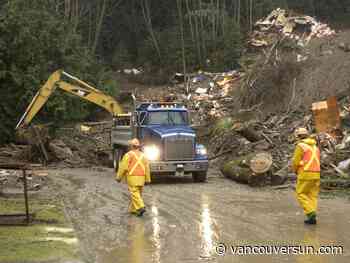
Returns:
<point x="137" y="163"/>
<point x="311" y="158"/>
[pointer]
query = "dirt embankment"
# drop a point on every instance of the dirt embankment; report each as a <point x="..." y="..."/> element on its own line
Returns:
<point x="328" y="73"/>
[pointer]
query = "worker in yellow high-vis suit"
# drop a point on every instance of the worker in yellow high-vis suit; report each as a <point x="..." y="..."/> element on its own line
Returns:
<point x="306" y="163"/>
<point x="134" y="167"/>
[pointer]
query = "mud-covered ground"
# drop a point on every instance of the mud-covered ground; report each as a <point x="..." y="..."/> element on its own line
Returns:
<point x="185" y="221"/>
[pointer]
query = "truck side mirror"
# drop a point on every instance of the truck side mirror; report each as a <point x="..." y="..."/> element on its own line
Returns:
<point x="136" y="118"/>
<point x="142" y="118"/>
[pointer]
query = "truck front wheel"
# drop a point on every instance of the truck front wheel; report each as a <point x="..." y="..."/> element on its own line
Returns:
<point x="117" y="156"/>
<point x="199" y="177"/>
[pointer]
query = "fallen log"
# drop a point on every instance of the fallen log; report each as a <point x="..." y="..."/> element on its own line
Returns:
<point x="250" y="134"/>
<point x="281" y="187"/>
<point x="336" y="183"/>
<point x="340" y="172"/>
<point x="280" y="177"/>
<point x="248" y="170"/>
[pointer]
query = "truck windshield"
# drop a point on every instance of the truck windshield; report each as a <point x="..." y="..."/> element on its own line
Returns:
<point x="168" y="118"/>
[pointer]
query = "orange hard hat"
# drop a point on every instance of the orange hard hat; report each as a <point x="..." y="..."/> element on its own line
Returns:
<point x="134" y="142"/>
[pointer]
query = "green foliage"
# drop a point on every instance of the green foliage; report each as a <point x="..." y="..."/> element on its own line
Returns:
<point x="170" y="48"/>
<point x="223" y="125"/>
<point x="228" y="48"/>
<point x="35" y="41"/>
<point x="121" y="57"/>
<point x="223" y="51"/>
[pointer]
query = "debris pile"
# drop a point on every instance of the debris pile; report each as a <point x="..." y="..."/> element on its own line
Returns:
<point x="272" y="135"/>
<point x="85" y="145"/>
<point x="287" y="49"/>
<point x="234" y="141"/>
<point x="12" y="152"/>
<point x="206" y="93"/>
<point x="280" y="23"/>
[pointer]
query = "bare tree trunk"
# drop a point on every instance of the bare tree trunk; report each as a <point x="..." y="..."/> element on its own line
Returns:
<point x="213" y="17"/>
<point x="202" y="33"/>
<point x="90" y="28"/>
<point x="67" y="8"/>
<point x="234" y="6"/>
<point x="76" y="15"/>
<point x="216" y="22"/>
<point x="217" y="18"/>
<point x="197" y="41"/>
<point x="251" y="16"/>
<point x="189" y="13"/>
<point x="147" y="17"/>
<point x="99" y="25"/>
<point x="239" y="13"/>
<point x="313" y="8"/>
<point x="223" y="14"/>
<point x="179" y="7"/>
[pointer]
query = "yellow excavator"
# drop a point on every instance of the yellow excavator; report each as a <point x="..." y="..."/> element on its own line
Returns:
<point x="77" y="87"/>
<point x="122" y="128"/>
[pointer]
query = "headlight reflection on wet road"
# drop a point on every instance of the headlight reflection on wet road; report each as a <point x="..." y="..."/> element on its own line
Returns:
<point x="206" y="232"/>
<point x="156" y="231"/>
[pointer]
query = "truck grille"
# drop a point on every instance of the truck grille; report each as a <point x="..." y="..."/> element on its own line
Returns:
<point x="179" y="147"/>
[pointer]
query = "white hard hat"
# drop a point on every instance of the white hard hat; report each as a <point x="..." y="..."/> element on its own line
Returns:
<point x="300" y="131"/>
<point x="134" y="142"/>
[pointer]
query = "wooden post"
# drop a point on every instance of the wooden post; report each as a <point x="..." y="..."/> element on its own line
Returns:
<point x="41" y="145"/>
<point x="26" y="195"/>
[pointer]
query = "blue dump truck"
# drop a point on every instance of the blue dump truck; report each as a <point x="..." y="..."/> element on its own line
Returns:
<point x="167" y="138"/>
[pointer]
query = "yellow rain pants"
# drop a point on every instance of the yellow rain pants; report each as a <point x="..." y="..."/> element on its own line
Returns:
<point x="307" y="194"/>
<point x="136" y="201"/>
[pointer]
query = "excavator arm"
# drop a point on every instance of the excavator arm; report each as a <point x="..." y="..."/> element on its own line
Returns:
<point x="79" y="88"/>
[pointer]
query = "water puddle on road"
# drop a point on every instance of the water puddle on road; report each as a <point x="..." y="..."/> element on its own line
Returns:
<point x="191" y="231"/>
<point x="143" y="242"/>
<point x="207" y="234"/>
<point x="158" y="237"/>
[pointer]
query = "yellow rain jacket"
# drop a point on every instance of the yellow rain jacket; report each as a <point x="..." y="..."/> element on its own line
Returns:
<point x="131" y="175"/>
<point x="298" y="157"/>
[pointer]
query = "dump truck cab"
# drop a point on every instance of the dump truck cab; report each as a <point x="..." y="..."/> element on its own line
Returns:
<point x="168" y="141"/>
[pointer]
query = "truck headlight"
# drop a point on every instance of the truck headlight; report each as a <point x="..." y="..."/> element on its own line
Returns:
<point x="152" y="152"/>
<point x="201" y="150"/>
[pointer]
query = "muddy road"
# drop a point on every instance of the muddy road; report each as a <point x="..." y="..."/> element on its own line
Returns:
<point x="186" y="221"/>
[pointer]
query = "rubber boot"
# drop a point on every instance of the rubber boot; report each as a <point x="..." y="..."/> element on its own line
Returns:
<point x="311" y="219"/>
<point x="141" y="211"/>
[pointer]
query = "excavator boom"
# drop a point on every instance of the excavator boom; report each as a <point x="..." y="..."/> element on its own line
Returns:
<point x="80" y="89"/>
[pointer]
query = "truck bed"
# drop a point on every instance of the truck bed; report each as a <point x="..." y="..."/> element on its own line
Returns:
<point x="122" y="130"/>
